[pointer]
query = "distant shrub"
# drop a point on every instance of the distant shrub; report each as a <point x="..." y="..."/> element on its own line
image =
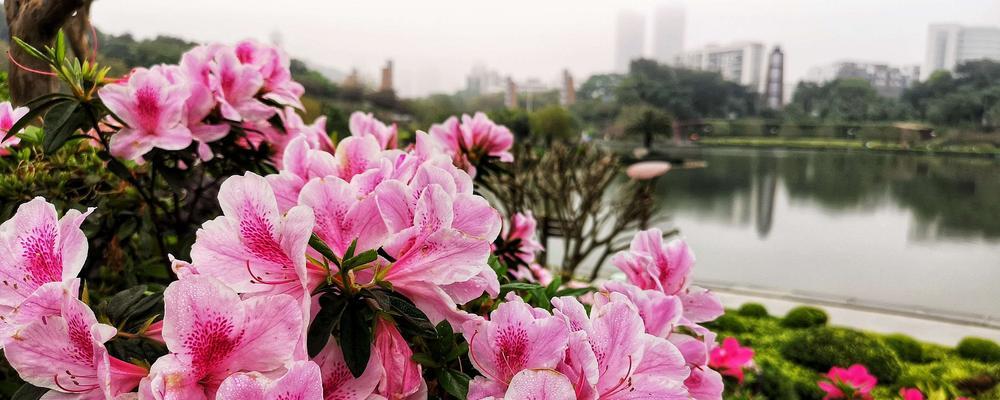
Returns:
<point x="753" y="310"/>
<point x="728" y="323"/>
<point x="984" y="350"/>
<point x="954" y="378"/>
<point x="804" y="317"/>
<point x="821" y="348"/>
<point x="907" y="348"/>
<point x="781" y="379"/>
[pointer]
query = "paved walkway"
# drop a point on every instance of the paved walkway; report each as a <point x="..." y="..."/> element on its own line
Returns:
<point x="945" y="333"/>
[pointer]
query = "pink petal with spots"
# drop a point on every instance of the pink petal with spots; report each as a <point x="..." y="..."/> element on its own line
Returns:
<point x="45" y="302"/>
<point x="338" y="383"/>
<point x="252" y="247"/>
<point x="302" y="381"/>
<point x="212" y="333"/>
<point x="660" y="313"/>
<point x="341" y="216"/>
<point x="516" y="338"/>
<point x="37" y="248"/>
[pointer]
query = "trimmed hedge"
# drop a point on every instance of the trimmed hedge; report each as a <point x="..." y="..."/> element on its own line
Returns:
<point x="753" y="310"/>
<point x="822" y="348"/>
<point x="907" y="348"/>
<point x="972" y="348"/>
<point x="804" y="317"/>
<point x="727" y="323"/>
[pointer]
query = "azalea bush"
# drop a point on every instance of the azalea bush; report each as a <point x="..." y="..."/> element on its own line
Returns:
<point x="296" y="267"/>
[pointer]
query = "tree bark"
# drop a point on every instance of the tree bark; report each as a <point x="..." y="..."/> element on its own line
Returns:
<point x="37" y="22"/>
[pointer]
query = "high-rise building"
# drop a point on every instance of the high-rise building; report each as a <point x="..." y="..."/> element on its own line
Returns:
<point x="567" y="94"/>
<point x="630" y="38"/>
<point x="510" y="96"/>
<point x="774" y="89"/>
<point x="742" y="62"/>
<point x="482" y="80"/>
<point x="887" y="80"/>
<point x="386" y="84"/>
<point x="949" y="45"/>
<point x="668" y="32"/>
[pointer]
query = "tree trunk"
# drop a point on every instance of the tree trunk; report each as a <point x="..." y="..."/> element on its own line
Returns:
<point x="37" y="22"/>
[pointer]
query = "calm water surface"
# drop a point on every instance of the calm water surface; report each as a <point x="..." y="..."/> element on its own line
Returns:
<point x="899" y="231"/>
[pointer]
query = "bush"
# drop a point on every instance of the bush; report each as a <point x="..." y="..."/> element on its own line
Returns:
<point x="907" y="348"/>
<point x="727" y="323"/>
<point x="984" y="350"/>
<point x="804" y="317"/>
<point x="953" y="377"/>
<point x="780" y="379"/>
<point x="753" y="310"/>
<point x="821" y="348"/>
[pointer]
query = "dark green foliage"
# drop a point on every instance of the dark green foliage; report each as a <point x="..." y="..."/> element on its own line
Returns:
<point x="727" y="323"/>
<point x="984" y="350"/>
<point x="907" y="348"/>
<point x="753" y="310"/>
<point x="804" y="317"/>
<point x="822" y="348"/>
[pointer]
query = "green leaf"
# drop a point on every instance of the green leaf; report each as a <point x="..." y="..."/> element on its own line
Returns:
<point x="60" y="46"/>
<point x="575" y="292"/>
<point x="29" y="392"/>
<point x="60" y="124"/>
<point x="494" y="263"/>
<point x="320" y="246"/>
<point x="322" y="326"/>
<point x="425" y="360"/>
<point x="553" y="287"/>
<point x="413" y="320"/>
<point x="350" y="249"/>
<point x="519" y="286"/>
<point x="31" y="115"/>
<point x="455" y="382"/>
<point x="360" y="259"/>
<point x="355" y="338"/>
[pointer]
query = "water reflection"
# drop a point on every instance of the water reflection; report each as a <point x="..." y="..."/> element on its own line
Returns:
<point x="920" y="233"/>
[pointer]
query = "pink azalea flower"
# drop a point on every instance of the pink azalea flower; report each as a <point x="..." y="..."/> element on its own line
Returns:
<point x="36" y="247"/>
<point x="731" y="358"/>
<point x="911" y="394"/>
<point x="300" y="163"/>
<point x="852" y="383"/>
<point x="401" y="376"/>
<point x="660" y="313"/>
<point x="362" y="124"/>
<point x="338" y="383"/>
<point x="440" y="240"/>
<point x="235" y="86"/>
<point x="293" y="127"/>
<point x="8" y="117"/>
<point x="473" y="140"/>
<point x="611" y="357"/>
<point x="534" y="273"/>
<point x="273" y="65"/>
<point x="343" y="214"/>
<point x="522" y="231"/>
<point x="65" y="352"/>
<point x="704" y="384"/>
<point x="301" y="381"/>
<point x="650" y="264"/>
<point x="199" y="104"/>
<point x="153" y="110"/>
<point x="253" y="247"/>
<point x="211" y="333"/>
<point x="516" y="338"/>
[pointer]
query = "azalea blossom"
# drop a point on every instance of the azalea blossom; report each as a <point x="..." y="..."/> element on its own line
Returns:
<point x="517" y="337"/>
<point x="519" y="241"/>
<point x="8" y="117"/>
<point x="273" y="66"/>
<point x="153" y="111"/>
<point x="473" y="140"/>
<point x="36" y="248"/>
<point x="611" y="357"/>
<point x="300" y="381"/>
<point x="362" y="124"/>
<point x="211" y="333"/>
<point x="197" y="107"/>
<point x="235" y="86"/>
<point x="911" y="394"/>
<point x="65" y="352"/>
<point x="731" y="358"/>
<point x="851" y="383"/>
<point x="540" y="384"/>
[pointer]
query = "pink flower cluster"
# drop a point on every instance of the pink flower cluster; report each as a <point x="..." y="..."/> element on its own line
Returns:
<point x="629" y="345"/>
<point x="852" y="383"/>
<point x="214" y="86"/>
<point x="730" y="359"/>
<point x="474" y="139"/>
<point x="518" y="246"/>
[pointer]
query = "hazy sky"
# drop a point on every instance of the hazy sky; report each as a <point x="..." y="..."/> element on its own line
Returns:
<point x="434" y="43"/>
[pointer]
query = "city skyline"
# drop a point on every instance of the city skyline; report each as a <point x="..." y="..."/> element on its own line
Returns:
<point x="436" y="44"/>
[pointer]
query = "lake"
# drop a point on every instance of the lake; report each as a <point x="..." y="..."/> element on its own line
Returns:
<point x="919" y="234"/>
